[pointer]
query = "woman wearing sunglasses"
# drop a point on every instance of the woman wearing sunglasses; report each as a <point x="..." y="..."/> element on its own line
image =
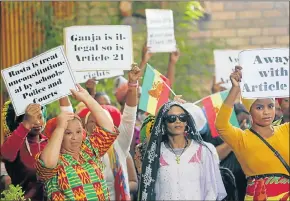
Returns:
<point x="177" y="164"/>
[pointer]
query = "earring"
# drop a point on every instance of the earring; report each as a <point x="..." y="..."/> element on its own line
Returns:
<point x="162" y="130"/>
<point x="187" y="129"/>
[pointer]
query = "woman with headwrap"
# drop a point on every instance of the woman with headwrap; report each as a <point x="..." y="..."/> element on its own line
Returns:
<point x="70" y="165"/>
<point x="177" y="164"/>
<point x="23" y="140"/>
<point x="267" y="174"/>
<point x="115" y="159"/>
<point x="284" y="105"/>
<point x="140" y="149"/>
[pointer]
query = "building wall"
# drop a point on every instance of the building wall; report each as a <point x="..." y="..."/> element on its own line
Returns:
<point x="242" y="25"/>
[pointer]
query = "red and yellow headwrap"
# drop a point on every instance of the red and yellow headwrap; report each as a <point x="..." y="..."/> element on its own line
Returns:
<point x="280" y="100"/>
<point x="51" y="125"/>
<point x="121" y="93"/>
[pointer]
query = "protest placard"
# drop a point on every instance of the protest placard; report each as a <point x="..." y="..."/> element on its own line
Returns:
<point x="97" y="75"/>
<point x="160" y="30"/>
<point x="225" y="62"/>
<point x="265" y="73"/>
<point x="42" y="79"/>
<point x="91" y="48"/>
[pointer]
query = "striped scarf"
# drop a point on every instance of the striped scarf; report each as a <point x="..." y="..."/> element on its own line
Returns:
<point x="122" y="191"/>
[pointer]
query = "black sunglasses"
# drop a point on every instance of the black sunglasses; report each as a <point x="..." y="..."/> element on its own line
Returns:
<point x="172" y="118"/>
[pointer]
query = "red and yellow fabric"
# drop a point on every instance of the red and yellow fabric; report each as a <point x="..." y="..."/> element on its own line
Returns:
<point x="155" y="91"/>
<point x="256" y="158"/>
<point x="81" y="179"/>
<point x="268" y="187"/>
<point x="51" y="125"/>
<point x="212" y="105"/>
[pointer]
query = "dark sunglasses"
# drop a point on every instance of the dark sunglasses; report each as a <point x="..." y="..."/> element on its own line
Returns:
<point x="172" y="118"/>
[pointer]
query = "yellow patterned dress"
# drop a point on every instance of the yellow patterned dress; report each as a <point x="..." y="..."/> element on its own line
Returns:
<point x="81" y="179"/>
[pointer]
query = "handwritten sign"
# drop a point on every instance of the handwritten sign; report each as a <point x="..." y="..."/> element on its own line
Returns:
<point x="265" y="73"/>
<point x="160" y="30"/>
<point x="225" y="62"/>
<point x="82" y="77"/>
<point x="91" y="48"/>
<point x="42" y="79"/>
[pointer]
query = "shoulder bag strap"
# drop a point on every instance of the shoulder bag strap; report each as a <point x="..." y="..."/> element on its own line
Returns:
<point x="274" y="150"/>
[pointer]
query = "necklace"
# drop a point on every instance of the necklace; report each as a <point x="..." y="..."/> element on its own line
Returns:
<point x="177" y="157"/>
<point x="28" y="146"/>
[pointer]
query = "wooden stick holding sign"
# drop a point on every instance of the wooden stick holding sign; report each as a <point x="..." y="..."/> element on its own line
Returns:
<point x="42" y="79"/>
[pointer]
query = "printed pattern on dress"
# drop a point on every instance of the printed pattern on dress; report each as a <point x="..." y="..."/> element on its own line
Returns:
<point x="196" y="158"/>
<point x="78" y="180"/>
<point x="151" y="160"/>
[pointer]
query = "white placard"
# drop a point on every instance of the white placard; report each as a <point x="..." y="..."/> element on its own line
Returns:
<point x="42" y="79"/>
<point x="225" y="62"/>
<point x="160" y="30"/>
<point x="91" y="48"/>
<point x="265" y="73"/>
<point x="82" y="77"/>
<point x="161" y="40"/>
<point x="159" y="18"/>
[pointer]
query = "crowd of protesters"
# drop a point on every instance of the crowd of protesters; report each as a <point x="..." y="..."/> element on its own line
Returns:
<point x="96" y="151"/>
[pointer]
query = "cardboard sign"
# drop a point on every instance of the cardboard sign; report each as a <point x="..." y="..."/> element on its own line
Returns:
<point x="160" y="30"/>
<point x="82" y="77"/>
<point x="265" y="73"/>
<point x="91" y="48"/>
<point x="225" y="62"/>
<point x="42" y="79"/>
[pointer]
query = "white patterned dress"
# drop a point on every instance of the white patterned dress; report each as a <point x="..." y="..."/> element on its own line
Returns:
<point x="197" y="177"/>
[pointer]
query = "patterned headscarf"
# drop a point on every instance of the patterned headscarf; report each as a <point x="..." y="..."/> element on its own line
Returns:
<point x="150" y="164"/>
<point x="11" y="121"/>
<point x="122" y="191"/>
<point x="146" y="128"/>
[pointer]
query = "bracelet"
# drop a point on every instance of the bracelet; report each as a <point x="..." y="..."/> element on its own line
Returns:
<point x="133" y="84"/>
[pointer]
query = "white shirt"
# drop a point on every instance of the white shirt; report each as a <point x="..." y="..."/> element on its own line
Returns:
<point x="122" y="146"/>
<point x="195" y="178"/>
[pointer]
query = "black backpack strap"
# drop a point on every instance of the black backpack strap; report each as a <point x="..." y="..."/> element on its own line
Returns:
<point x="274" y="150"/>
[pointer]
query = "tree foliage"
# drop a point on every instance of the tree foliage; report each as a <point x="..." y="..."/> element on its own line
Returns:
<point x="193" y="70"/>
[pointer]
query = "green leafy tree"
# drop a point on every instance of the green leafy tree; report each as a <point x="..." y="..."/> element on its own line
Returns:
<point x="194" y="68"/>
